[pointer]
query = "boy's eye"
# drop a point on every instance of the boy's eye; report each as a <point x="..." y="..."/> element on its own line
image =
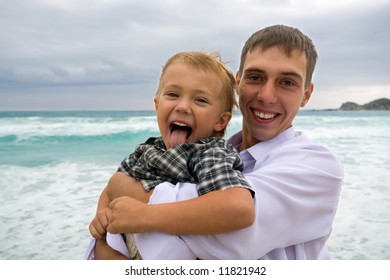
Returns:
<point x="201" y="100"/>
<point x="172" y="94"/>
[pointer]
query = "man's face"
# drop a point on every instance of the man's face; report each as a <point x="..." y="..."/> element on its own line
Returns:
<point x="271" y="91"/>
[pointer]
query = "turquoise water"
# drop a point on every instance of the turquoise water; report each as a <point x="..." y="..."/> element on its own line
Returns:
<point x="53" y="166"/>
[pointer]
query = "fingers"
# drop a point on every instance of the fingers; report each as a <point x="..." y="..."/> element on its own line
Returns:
<point x="122" y="211"/>
<point x="127" y="215"/>
<point x="113" y="203"/>
<point x="95" y="232"/>
<point x="98" y="226"/>
<point x="112" y="226"/>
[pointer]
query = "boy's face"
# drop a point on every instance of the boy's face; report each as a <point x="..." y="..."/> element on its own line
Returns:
<point x="271" y="91"/>
<point x="189" y="105"/>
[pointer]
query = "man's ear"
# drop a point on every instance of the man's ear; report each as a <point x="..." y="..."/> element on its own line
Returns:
<point x="307" y="95"/>
<point x="238" y="77"/>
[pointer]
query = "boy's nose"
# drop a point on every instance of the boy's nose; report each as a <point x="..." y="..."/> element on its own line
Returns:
<point x="183" y="106"/>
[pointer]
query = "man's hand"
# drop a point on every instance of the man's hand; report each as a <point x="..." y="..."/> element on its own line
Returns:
<point x="127" y="215"/>
<point x="99" y="224"/>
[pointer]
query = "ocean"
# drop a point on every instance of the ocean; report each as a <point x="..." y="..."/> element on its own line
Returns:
<point x="53" y="166"/>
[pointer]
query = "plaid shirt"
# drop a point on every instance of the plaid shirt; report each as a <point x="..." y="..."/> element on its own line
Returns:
<point x="213" y="164"/>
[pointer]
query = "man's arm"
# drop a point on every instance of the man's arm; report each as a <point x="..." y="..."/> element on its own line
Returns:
<point x="214" y="212"/>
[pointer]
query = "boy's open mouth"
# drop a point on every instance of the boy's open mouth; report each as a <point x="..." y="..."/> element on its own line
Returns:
<point x="180" y="132"/>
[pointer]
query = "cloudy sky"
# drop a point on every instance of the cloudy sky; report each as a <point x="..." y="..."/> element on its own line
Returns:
<point x="107" y="54"/>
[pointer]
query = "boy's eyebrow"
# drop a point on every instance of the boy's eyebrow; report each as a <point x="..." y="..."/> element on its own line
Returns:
<point x="171" y="86"/>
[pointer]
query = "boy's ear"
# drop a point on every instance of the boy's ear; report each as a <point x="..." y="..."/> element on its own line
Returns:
<point x="223" y="121"/>
<point x="155" y="99"/>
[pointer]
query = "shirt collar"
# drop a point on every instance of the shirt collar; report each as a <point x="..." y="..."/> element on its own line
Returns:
<point x="265" y="146"/>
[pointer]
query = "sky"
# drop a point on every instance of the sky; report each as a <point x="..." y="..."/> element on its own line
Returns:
<point x="108" y="54"/>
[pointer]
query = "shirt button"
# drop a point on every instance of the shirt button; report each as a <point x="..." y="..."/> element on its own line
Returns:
<point x="146" y="235"/>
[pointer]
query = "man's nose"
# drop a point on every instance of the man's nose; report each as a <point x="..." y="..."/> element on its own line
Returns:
<point x="267" y="93"/>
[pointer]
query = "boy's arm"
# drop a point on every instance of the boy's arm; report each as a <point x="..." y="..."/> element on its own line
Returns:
<point x="214" y="212"/>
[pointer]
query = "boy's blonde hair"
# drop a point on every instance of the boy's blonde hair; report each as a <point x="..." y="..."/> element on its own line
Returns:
<point x="208" y="62"/>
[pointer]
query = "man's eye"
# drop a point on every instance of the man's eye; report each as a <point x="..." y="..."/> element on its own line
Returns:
<point x="254" y="78"/>
<point x="288" y="83"/>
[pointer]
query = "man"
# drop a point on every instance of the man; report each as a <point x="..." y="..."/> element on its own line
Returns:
<point x="297" y="182"/>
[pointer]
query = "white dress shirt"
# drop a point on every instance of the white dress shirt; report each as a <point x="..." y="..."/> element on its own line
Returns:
<point x="297" y="186"/>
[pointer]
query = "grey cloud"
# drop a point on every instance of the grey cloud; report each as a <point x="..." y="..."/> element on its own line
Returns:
<point x="102" y="43"/>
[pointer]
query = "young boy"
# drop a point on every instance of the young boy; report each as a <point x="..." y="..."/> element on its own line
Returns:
<point x="194" y="103"/>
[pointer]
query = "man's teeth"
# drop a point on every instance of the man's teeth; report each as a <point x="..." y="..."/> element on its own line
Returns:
<point x="264" y="115"/>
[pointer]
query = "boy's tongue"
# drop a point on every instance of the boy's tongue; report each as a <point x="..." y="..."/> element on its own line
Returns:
<point x="178" y="137"/>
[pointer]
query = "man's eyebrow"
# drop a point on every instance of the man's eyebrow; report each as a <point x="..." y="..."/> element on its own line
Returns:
<point x="292" y="73"/>
<point x="254" y="69"/>
<point x="286" y="73"/>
